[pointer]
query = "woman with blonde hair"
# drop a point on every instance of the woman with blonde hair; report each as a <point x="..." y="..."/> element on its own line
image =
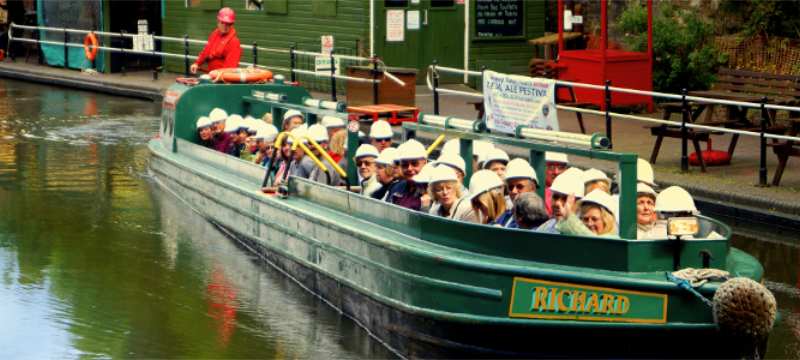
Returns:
<point x="595" y="216"/>
<point x="449" y="202"/>
<point x="486" y="196"/>
<point x="594" y="179"/>
<point x="337" y="149"/>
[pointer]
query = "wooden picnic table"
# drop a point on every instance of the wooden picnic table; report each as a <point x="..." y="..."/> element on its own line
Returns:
<point x="784" y="150"/>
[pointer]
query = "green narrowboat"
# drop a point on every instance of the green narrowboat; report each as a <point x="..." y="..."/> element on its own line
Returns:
<point x="429" y="287"/>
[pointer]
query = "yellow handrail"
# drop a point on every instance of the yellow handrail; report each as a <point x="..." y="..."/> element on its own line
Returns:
<point x="323" y="153"/>
<point x="434" y="145"/>
<point x="294" y="147"/>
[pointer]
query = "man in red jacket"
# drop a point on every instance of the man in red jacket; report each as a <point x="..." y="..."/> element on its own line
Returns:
<point x="223" y="49"/>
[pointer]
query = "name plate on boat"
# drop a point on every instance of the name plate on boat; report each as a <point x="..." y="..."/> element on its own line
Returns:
<point x="531" y="298"/>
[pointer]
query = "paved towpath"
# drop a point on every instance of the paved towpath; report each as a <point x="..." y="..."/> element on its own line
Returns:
<point x="731" y="185"/>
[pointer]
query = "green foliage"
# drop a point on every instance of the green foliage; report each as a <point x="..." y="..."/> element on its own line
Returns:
<point x="766" y="18"/>
<point x="682" y="59"/>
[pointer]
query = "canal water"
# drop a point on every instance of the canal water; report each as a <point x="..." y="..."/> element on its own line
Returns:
<point x="98" y="261"/>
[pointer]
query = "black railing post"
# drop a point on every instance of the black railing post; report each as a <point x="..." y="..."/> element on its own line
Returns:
<point x="291" y="63"/>
<point x="66" y="53"/>
<point x="762" y="172"/>
<point x="255" y="55"/>
<point x="608" y="113"/>
<point x="375" y="78"/>
<point x="435" y="87"/>
<point x="684" y="134"/>
<point x="124" y="54"/>
<point x="333" y="79"/>
<point x="186" y="56"/>
<point x="155" y="61"/>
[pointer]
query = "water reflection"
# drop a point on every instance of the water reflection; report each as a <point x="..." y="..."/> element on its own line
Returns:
<point x="97" y="261"/>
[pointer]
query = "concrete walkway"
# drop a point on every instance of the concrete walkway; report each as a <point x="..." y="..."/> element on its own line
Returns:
<point x="728" y="189"/>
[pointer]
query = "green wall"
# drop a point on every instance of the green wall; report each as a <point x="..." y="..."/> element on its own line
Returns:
<point x="271" y="30"/>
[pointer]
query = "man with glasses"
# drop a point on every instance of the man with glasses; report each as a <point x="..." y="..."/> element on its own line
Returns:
<point x="365" y="163"/>
<point x="381" y="135"/>
<point x="520" y="178"/>
<point x="223" y="50"/>
<point x="407" y="193"/>
<point x="555" y="165"/>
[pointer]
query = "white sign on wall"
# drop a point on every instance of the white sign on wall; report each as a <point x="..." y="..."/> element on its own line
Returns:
<point x="142" y="41"/>
<point x="395" y="25"/>
<point x="322" y="64"/>
<point x="412" y="22"/>
<point x="510" y="101"/>
<point x="327" y="44"/>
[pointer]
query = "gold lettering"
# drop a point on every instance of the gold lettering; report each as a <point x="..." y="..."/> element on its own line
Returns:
<point x="592" y="306"/>
<point x="553" y="292"/>
<point x="623" y="305"/>
<point x="608" y="304"/>
<point x="578" y="297"/>
<point x="560" y="297"/>
<point x="539" y="298"/>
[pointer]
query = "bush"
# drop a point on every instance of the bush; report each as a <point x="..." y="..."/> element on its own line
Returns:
<point x="681" y="59"/>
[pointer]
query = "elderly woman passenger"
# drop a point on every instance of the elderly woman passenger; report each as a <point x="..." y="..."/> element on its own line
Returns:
<point x="457" y="163"/>
<point x="594" y="179"/>
<point x="596" y="216"/>
<point x="449" y="202"/>
<point x="365" y="163"/>
<point x="529" y="211"/>
<point x="206" y="132"/>
<point x="487" y="200"/>
<point x="384" y="172"/>
<point x="645" y="216"/>
<point x="292" y="119"/>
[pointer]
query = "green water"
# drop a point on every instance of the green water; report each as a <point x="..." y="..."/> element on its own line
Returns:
<point x="98" y="261"/>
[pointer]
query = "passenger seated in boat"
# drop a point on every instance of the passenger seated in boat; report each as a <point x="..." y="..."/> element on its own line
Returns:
<point x="448" y="201"/>
<point x="204" y="128"/>
<point x="674" y="201"/>
<point x="283" y="164"/>
<point x="381" y="135"/>
<point x="422" y="180"/>
<point x="555" y="165"/>
<point x="319" y="134"/>
<point x="384" y="172"/>
<point x="301" y="165"/>
<point x="595" y="216"/>
<point x="333" y="125"/>
<point x="221" y="138"/>
<point x="232" y="126"/>
<point x="398" y="172"/>
<point x="480" y="150"/>
<point x="486" y="197"/>
<point x="520" y="178"/>
<point x="456" y="162"/>
<point x="496" y="161"/>
<point x="594" y="179"/>
<point x="407" y="193"/>
<point x="265" y="141"/>
<point x="245" y="134"/>
<point x="292" y="119"/>
<point x="337" y="147"/>
<point x="563" y="187"/>
<point x="644" y="173"/>
<point x="453" y="146"/>
<point x="645" y="216"/>
<point x="529" y="211"/>
<point x="365" y="163"/>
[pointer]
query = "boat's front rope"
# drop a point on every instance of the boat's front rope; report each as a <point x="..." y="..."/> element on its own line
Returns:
<point x="686" y="285"/>
<point x="689" y="279"/>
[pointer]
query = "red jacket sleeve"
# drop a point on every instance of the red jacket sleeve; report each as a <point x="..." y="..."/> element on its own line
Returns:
<point x="233" y="53"/>
<point x="206" y="50"/>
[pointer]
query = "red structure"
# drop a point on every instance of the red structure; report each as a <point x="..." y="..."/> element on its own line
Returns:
<point x="625" y="69"/>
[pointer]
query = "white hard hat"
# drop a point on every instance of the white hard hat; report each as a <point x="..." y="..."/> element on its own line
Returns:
<point x="412" y="149"/>
<point x="644" y="189"/>
<point x="424" y="176"/>
<point x="452" y="160"/>
<point x="594" y="175"/>
<point x="520" y="169"/>
<point x="442" y="174"/>
<point x="366" y="150"/>
<point x="601" y="198"/>
<point x="318" y="133"/>
<point x="483" y="181"/>
<point x="481" y="148"/>
<point x="203" y="121"/>
<point x="233" y="123"/>
<point x="290" y="114"/>
<point x="217" y="115"/>
<point x="297" y="132"/>
<point x="551" y="156"/>
<point x="568" y="183"/>
<point x="478" y="147"/>
<point x="451" y="146"/>
<point x="387" y="156"/>
<point x="675" y="199"/>
<point x="360" y="135"/>
<point x="251" y="123"/>
<point x="644" y="172"/>
<point x="332" y="122"/>
<point x="381" y="130"/>
<point x="495" y="155"/>
<point x="263" y="131"/>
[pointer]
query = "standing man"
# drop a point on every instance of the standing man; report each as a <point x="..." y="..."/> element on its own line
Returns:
<point x="223" y="49"/>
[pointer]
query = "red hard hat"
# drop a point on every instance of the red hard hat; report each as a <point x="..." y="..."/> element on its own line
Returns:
<point x="226" y="15"/>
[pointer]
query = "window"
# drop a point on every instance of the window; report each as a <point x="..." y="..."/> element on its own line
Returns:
<point x="395" y="3"/>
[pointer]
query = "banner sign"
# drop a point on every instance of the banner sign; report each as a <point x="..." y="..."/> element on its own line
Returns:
<point x="511" y="100"/>
<point x="531" y="298"/>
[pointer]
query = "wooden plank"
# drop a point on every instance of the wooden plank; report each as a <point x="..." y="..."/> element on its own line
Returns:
<point x="752" y="81"/>
<point x="755" y="89"/>
<point x="759" y="75"/>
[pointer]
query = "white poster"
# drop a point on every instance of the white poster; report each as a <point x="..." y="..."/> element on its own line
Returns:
<point x="395" y="25"/>
<point x="322" y="64"/>
<point x="412" y="22"/>
<point x="327" y="44"/>
<point x="511" y="100"/>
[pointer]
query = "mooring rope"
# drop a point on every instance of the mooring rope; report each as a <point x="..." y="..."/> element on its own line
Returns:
<point x="689" y="279"/>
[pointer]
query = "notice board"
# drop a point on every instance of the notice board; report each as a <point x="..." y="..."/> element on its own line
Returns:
<point x="499" y="19"/>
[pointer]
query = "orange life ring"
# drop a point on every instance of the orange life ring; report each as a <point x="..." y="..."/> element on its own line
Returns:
<point x="240" y="76"/>
<point x="90" y="47"/>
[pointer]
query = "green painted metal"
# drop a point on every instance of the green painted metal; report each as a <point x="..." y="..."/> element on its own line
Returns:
<point x="537" y="160"/>
<point x="466" y="154"/>
<point x="352" y="147"/>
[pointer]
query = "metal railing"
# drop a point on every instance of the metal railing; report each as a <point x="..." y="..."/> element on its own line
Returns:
<point x="433" y="83"/>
